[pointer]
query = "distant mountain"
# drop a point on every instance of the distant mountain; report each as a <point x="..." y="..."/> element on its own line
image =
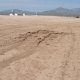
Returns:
<point x="76" y="9"/>
<point x="19" y="12"/>
<point x="62" y="12"/>
<point x="55" y="12"/>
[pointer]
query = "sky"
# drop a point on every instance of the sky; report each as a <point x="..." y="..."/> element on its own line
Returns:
<point x="38" y="5"/>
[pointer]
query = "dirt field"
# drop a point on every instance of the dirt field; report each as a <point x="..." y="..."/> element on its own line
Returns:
<point x="39" y="48"/>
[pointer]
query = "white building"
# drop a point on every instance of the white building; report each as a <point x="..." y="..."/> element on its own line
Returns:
<point x="24" y="14"/>
<point x="16" y="14"/>
<point x="11" y="14"/>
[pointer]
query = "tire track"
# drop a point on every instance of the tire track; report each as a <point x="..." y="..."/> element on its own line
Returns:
<point x="29" y="43"/>
<point x="67" y="56"/>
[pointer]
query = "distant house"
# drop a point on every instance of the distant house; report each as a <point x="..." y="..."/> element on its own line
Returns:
<point x="24" y="14"/>
<point x="16" y="14"/>
<point x="11" y="14"/>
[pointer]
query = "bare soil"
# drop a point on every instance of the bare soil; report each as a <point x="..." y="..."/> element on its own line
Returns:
<point x="39" y="48"/>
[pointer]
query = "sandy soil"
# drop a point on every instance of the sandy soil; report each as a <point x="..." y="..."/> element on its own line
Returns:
<point x="39" y="48"/>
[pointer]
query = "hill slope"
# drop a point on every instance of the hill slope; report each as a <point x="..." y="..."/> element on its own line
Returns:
<point x="62" y="12"/>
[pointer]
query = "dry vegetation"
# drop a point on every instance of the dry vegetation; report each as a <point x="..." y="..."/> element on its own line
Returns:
<point x="39" y="48"/>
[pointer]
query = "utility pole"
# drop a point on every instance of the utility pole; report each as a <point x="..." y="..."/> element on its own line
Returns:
<point x="36" y="14"/>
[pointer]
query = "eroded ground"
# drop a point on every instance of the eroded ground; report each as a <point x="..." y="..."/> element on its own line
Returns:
<point x="39" y="48"/>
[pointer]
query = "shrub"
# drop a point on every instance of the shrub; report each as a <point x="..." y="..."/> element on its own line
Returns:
<point x="77" y="16"/>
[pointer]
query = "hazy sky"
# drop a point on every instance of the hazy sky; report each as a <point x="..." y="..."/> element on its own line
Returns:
<point x="38" y="5"/>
